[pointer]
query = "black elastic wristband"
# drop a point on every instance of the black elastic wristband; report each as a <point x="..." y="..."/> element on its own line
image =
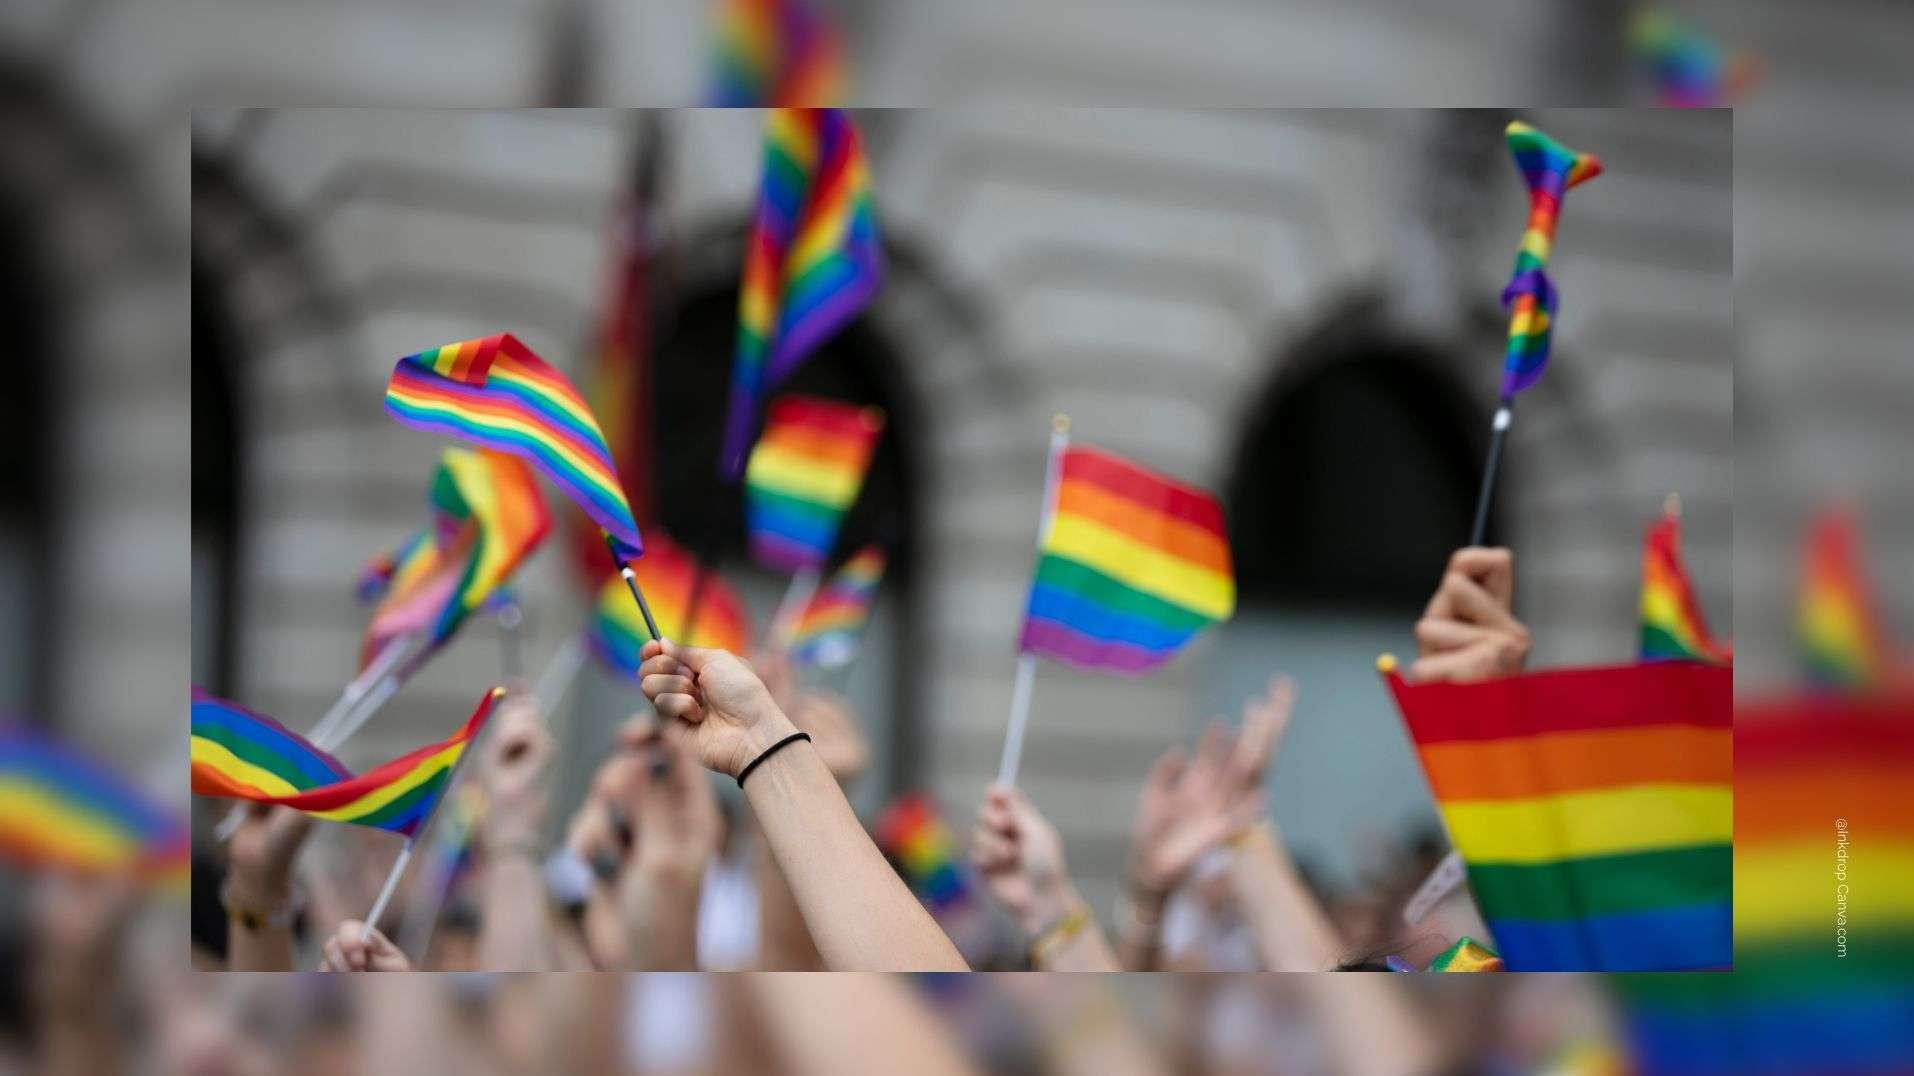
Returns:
<point x="768" y="752"/>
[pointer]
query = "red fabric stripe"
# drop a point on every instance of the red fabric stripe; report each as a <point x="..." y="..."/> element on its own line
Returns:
<point x="1569" y="700"/>
<point x="1126" y="479"/>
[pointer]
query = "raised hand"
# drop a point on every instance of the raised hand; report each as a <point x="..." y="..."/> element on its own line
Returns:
<point x="1192" y="804"/>
<point x="515" y="762"/>
<point x="716" y="704"/>
<point x="672" y="812"/>
<point x="1468" y="631"/>
<point x="355" y="948"/>
<point x="1020" y="856"/>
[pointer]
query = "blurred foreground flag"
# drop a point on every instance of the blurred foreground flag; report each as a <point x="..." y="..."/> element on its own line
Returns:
<point x="828" y="629"/>
<point x="1842" y="644"/>
<point x="667" y="575"/>
<point x="1672" y="624"/>
<point x="804" y="476"/>
<point x="60" y="809"/>
<point x="1131" y="566"/>
<point x="775" y="52"/>
<point x="811" y="263"/>
<point x="495" y="392"/>
<point x="239" y="754"/>
<point x="1594" y="808"/>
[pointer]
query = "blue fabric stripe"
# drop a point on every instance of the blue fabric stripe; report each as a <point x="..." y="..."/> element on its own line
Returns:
<point x="1844" y="1033"/>
<point x="314" y="766"/>
<point x="1089" y="618"/>
<point x="812" y="533"/>
<point x="80" y="781"/>
<point x="1668" y="939"/>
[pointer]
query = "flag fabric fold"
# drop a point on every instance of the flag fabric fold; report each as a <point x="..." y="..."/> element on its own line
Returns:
<point x="775" y="52"/>
<point x="804" y="475"/>
<point x="827" y="631"/>
<point x="1550" y="170"/>
<point x="1672" y="625"/>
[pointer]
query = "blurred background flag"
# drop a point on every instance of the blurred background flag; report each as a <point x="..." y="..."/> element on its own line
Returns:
<point x="811" y="264"/>
<point x="1594" y="808"/>
<point x="1841" y="638"/>
<point x="1690" y="69"/>
<point x="239" y="754"/>
<point x="1672" y="624"/>
<point x="775" y="52"/>
<point x="497" y="393"/>
<point x="1132" y="565"/>
<point x="804" y="476"/>
<point x="1550" y="170"/>
<point x="667" y="573"/>
<point x="62" y="809"/>
<point x="912" y="833"/>
<point x="827" y="631"/>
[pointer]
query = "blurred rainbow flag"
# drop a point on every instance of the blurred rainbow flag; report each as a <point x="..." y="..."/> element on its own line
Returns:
<point x="775" y="52"/>
<point x="1132" y="565"/>
<point x="827" y="631"/>
<point x="1842" y="642"/>
<point x="811" y="264"/>
<point x="1690" y="69"/>
<point x="64" y="810"/>
<point x="1594" y="808"/>
<point x="1672" y="624"/>
<point x="913" y="835"/>
<point x="805" y="474"/>
<point x="667" y="573"/>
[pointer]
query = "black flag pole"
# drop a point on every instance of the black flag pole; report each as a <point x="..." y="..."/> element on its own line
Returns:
<point x="1503" y="416"/>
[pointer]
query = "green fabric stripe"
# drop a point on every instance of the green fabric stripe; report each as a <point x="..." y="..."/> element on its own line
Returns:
<point x="256" y="753"/>
<point x="1604" y="885"/>
<point x="1085" y="581"/>
<point x="797" y="506"/>
<point x="398" y="808"/>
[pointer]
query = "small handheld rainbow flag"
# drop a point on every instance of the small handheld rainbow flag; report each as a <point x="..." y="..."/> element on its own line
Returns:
<point x="1842" y="642"/>
<point x="495" y="392"/>
<point x="1467" y="954"/>
<point x="239" y="754"/>
<point x="913" y="835"/>
<point x="62" y="809"/>
<point x="1594" y="808"/>
<point x="812" y="262"/>
<point x="827" y="631"/>
<point x="1550" y="170"/>
<point x="1672" y="624"/>
<point x="775" y="52"/>
<point x="1132" y="565"/>
<point x="805" y="473"/>
<point x="667" y="575"/>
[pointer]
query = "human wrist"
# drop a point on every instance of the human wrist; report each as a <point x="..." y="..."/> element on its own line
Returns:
<point x="760" y="736"/>
<point x="1046" y="907"/>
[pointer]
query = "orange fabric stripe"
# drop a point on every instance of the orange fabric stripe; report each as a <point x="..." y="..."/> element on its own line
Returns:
<point x="1177" y="537"/>
<point x="1552" y="763"/>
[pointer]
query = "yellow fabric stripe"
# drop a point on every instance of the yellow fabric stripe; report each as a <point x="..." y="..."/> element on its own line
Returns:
<point x="390" y="791"/>
<point x="55" y="821"/>
<point x="1144" y="567"/>
<point x="1637" y="818"/>
<point x="1790" y="889"/>
<point x="797" y="475"/>
<point x="219" y="757"/>
<point x="548" y="386"/>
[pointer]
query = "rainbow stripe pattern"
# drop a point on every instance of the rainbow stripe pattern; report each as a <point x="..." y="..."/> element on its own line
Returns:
<point x="1550" y="170"/>
<point x="915" y="838"/>
<point x="239" y="754"/>
<point x="497" y="393"/>
<point x="666" y="575"/>
<point x="1132" y="565"/>
<point x="1672" y="624"/>
<point x="811" y="264"/>
<point x="1467" y="954"/>
<point x="1594" y="808"/>
<point x="827" y="631"/>
<point x="1842" y="642"/>
<point x="65" y="810"/>
<point x="1690" y="69"/>
<point x="805" y="474"/>
<point x="775" y="52"/>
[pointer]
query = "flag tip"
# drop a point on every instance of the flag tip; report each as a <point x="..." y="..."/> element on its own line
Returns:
<point x="1060" y="422"/>
<point x="1385" y="663"/>
<point x="1671" y="505"/>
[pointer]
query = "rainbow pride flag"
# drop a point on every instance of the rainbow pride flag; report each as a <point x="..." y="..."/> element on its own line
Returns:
<point x="1132" y="565"/>
<point x="775" y="52"/>
<point x="1690" y="69"/>
<point x="667" y="575"/>
<point x="915" y="838"/>
<point x="239" y="754"/>
<point x="804" y="476"/>
<point x="1594" y="808"/>
<point x="1841" y="639"/>
<point x="827" y="631"/>
<point x="496" y="393"/>
<point x="1672" y="624"/>
<point x="811" y="264"/>
<point x="1550" y="170"/>
<point x="65" y="810"/>
<point x="1466" y="954"/>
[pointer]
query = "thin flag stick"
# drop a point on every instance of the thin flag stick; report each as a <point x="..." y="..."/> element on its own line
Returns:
<point x="557" y="676"/>
<point x="380" y="695"/>
<point x="1498" y="428"/>
<point x="385" y="891"/>
<point x="1027" y="663"/>
<point x="510" y="619"/>
<point x="631" y="583"/>
<point x="796" y="596"/>
<point x="1442" y="881"/>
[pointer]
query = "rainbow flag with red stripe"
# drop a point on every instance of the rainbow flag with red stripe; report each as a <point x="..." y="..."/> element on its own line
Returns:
<point x="827" y="631"/>
<point x="805" y="474"/>
<point x="811" y="264"/>
<point x="1672" y="624"/>
<point x="667" y="575"/>
<point x="63" y="809"/>
<point x="1131" y="566"/>
<point x="776" y="52"/>
<point x="915" y="838"/>
<point x="1594" y="808"/>
<point x="1841" y="638"/>
<point x="239" y="754"/>
<point x="1550" y="170"/>
<point x="497" y="393"/>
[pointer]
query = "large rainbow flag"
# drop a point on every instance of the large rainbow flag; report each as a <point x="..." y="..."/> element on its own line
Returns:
<point x="62" y="809"/>
<point x="239" y="754"/>
<point x="495" y="392"/>
<point x="667" y="575"/>
<point x="1842" y="642"/>
<point x="1594" y="808"/>
<point x="1672" y="624"/>
<point x="827" y="631"/>
<point x="1550" y="170"/>
<point x="811" y="264"/>
<point x="775" y="52"/>
<point x="805" y="474"/>
<point x="1131" y="566"/>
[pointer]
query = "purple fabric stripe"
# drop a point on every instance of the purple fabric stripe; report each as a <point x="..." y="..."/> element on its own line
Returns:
<point x="780" y="554"/>
<point x="1053" y="640"/>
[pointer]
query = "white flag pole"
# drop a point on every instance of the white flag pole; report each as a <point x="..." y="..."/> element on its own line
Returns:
<point x="796" y="596"/>
<point x="1027" y="663"/>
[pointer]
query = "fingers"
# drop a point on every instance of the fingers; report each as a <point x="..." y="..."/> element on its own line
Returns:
<point x="1474" y="604"/>
<point x="1166" y="771"/>
<point x="1494" y="656"/>
<point x="344" y="950"/>
<point x="1493" y="568"/>
<point x="1437" y="634"/>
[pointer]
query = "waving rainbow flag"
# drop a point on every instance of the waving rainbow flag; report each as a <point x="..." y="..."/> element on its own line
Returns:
<point x="1550" y="170"/>
<point x="667" y="574"/>
<point x="776" y="52"/>
<point x="495" y="392"/>
<point x="812" y="262"/>
<point x="1132" y="565"/>
<point x="827" y="631"/>
<point x="1842" y="643"/>
<point x="1672" y="624"/>
<point x="60" y="808"/>
<point x="239" y="754"/>
<point x="805" y="474"/>
<point x="1594" y="808"/>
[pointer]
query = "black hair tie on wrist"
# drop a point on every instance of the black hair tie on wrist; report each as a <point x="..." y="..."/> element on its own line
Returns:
<point x="768" y="752"/>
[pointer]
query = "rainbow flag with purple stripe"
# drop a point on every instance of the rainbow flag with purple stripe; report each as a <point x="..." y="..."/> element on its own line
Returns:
<point x="62" y="809"/>
<point x="812" y="262"/>
<point x="805" y="474"/>
<point x="1550" y="170"/>
<point x="775" y="52"/>
<point x="915" y="838"/>
<point x="827" y="631"/>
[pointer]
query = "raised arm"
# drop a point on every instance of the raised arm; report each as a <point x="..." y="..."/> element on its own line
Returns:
<point x="258" y="893"/>
<point x="784" y="943"/>
<point x="1469" y="631"/>
<point x="675" y="830"/>
<point x="858" y="910"/>
<point x="1020" y="856"/>
<point x="514" y="928"/>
